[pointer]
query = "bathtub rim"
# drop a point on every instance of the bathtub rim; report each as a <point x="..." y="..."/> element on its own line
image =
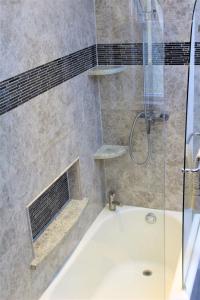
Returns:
<point x="103" y="216"/>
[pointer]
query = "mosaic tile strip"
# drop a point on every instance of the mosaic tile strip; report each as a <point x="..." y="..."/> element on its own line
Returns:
<point x="132" y="54"/>
<point x="46" y="206"/>
<point x="23" y="87"/>
<point x="197" y="53"/>
<point x="177" y="53"/>
<point x="120" y="54"/>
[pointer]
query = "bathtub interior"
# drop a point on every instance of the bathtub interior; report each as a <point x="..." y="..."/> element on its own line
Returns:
<point x="110" y="260"/>
<point x="173" y="239"/>
<point x="192" y="256"/>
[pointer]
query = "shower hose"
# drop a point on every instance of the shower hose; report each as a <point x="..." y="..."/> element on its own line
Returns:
<point x="131" y="139"/>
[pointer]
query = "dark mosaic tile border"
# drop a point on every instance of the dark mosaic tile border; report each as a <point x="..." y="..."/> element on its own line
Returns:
<point x="132" y="54"/>
<point x="197" y="54"/>
<point x="23" y="87"/>
<point x="177" y="53"/>
<point x="45" y="207"/>
<point x="120" y="54"/>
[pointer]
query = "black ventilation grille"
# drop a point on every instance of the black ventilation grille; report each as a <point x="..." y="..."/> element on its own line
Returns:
<point x="46" y="206"/>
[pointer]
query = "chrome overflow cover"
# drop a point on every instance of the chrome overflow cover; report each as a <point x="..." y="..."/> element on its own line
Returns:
<point x="150" y="218"/>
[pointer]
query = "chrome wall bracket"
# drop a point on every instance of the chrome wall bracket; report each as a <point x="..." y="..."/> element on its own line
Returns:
<point x="191" y="171"/>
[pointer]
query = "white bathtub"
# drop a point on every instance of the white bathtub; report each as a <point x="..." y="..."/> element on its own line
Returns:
<point x="109" y="262"/>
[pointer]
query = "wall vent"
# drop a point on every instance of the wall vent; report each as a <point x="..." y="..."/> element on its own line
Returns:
<point x="43" y="209"/>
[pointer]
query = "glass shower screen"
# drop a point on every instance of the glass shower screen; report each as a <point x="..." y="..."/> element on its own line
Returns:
<point x="191" y="212"/>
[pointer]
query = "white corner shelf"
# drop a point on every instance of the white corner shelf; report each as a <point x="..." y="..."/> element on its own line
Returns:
<point x="110" y="151"/>
<point x="106" y="70"/>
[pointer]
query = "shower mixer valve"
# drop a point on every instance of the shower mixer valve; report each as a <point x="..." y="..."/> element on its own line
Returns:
<point x="154" y="117"/>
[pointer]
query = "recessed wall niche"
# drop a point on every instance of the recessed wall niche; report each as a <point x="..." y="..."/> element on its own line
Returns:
<point x="53" y="199"/>
<point x="54" y="212"/>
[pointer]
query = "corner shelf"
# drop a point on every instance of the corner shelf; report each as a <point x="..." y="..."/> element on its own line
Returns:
<point x="106" y="70"/>
<point x="110" y="151"/>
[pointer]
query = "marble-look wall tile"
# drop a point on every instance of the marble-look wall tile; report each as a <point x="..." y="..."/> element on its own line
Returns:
<point x="13" y="267"/>
<point x="196" y="124"/>
<point x="176" y="87"/>
<point x="122" y="97"/>
<point x="196" y="24"/>
<point x="116" y="126"/>
<point x="178" y="20"/>
<point x="176" y="96"/>
<point x="34" y="33"/>
<point x="59" y="142"/>
<point x="41" y="138"/>
<point x="123" y="91"/>
<point x="116" y="22"/>
<point x="134" y="184"/>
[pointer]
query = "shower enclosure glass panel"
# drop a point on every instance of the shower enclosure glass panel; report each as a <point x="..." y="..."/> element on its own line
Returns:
<point x="130" y="33"/>
<point x="191" y="171"/>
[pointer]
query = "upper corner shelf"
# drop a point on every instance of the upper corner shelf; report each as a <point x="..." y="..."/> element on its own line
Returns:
<point x="106" y="70"/>
<point x="110" y="151"/>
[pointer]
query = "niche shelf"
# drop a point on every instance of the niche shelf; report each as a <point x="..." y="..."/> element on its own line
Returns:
<point x="106" y="70"/>
<point x="57" y="231"/>
<point x="110" y="151"/>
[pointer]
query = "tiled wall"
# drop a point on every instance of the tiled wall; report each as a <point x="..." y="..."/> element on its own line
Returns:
<point x="178" y="21"/>
<point x="122" y="97"/>
<point x="62" y="120"/>
<point x="134" y="54"/>
<point x="193" y="124"/>
<point x="21" y="88"/>
<point x="42" y="136"/>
